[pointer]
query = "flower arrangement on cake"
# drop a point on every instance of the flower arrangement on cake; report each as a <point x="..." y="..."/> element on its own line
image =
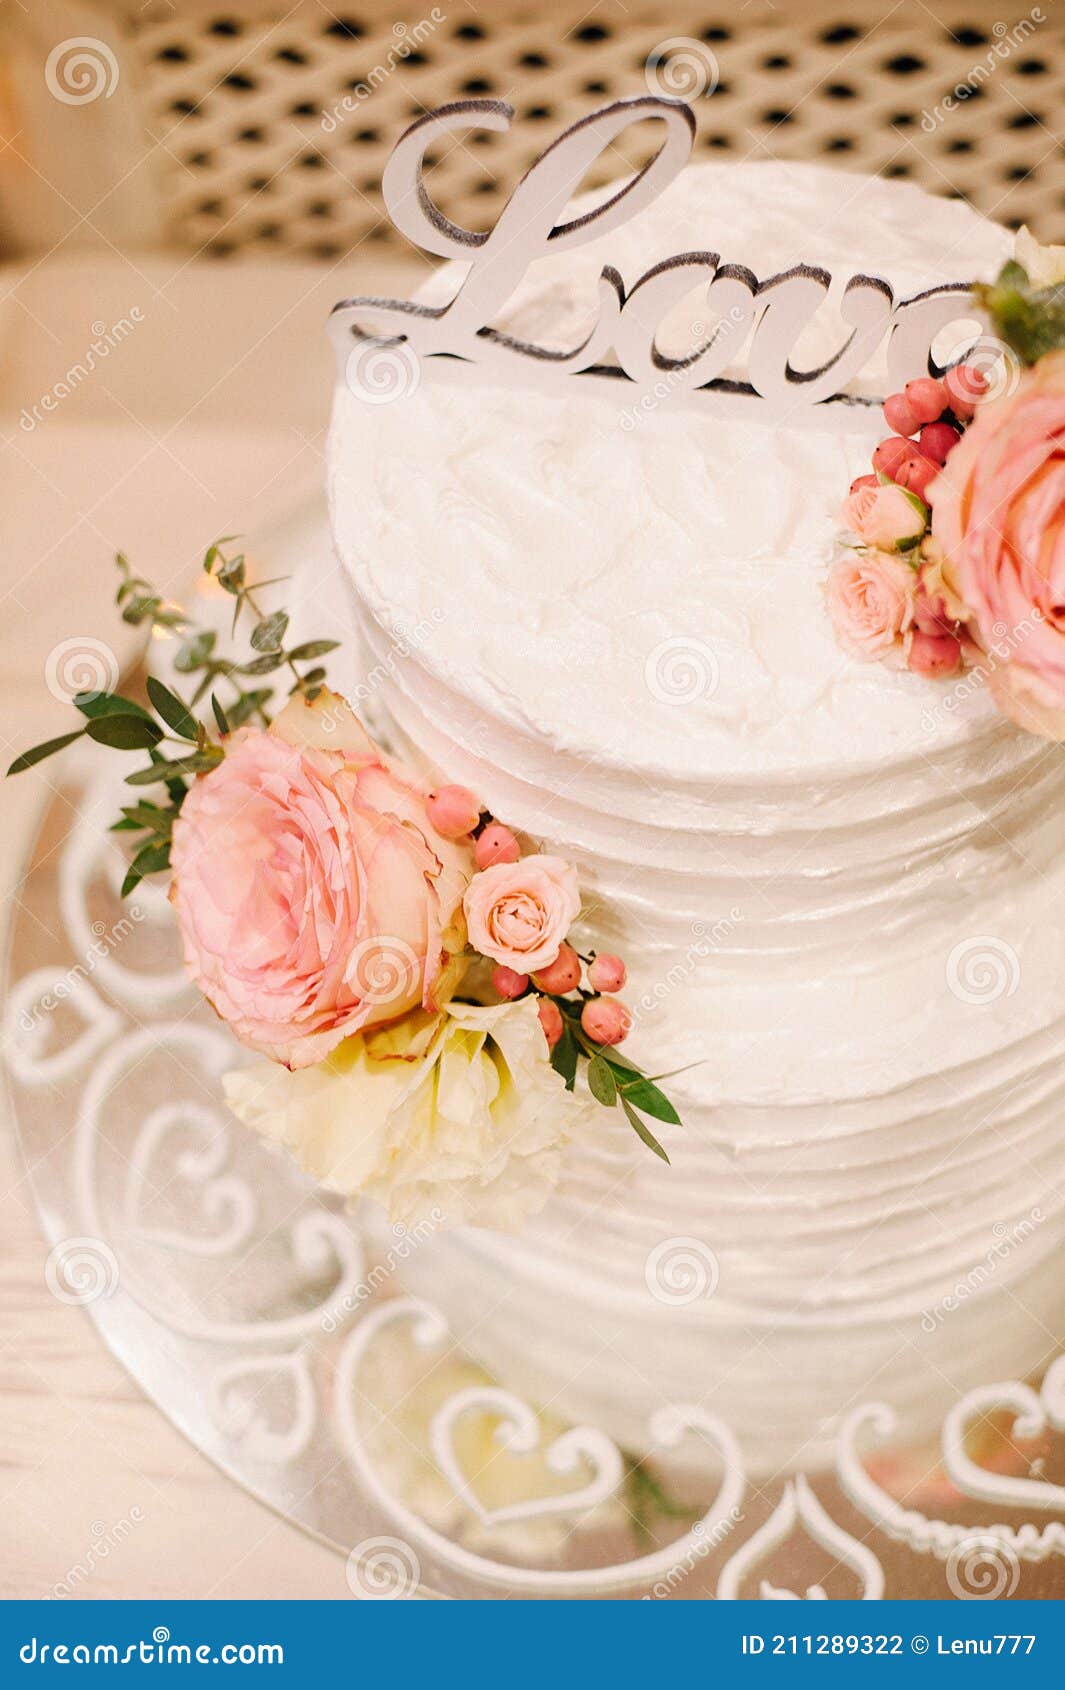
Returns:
<point x="428" y="1035"/>
<point x="954" y="556"/>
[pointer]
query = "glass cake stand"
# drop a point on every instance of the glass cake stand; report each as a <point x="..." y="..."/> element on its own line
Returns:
<point x="272" y="1328"/>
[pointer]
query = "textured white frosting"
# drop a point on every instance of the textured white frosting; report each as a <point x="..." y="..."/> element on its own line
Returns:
<point x="617" y="636"/>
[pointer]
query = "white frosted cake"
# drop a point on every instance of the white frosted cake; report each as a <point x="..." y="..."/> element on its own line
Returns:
<point x="834" y="885"/>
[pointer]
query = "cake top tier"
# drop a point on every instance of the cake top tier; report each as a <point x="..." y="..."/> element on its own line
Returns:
<point x="642" y="589"/>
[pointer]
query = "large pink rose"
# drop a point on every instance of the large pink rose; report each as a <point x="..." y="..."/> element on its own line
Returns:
<point x="313" y="896"/>
<point x="998" y="516"/>
<point x="871" y="598"/>
<point x="519" y="913"/>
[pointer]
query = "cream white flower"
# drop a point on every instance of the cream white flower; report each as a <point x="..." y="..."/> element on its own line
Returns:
<point x="1043" y="265"/>
<point x="459" y="1112"/>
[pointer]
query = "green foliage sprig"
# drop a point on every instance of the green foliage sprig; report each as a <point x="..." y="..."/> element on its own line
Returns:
<point x="1030" y="320"/>
<point x="169" y="720"/>
<point x="613" y="1080"/>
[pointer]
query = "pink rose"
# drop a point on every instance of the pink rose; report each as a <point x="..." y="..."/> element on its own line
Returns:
<point x="870" y="600"/>
<point x="998" y="515"/>
<point x="314" y="898"/>
<point x="886" y="517"/>
<point x="519" y="913"/>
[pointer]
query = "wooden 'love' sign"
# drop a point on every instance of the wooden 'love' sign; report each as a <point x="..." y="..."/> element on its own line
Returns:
<point x="742" y="366"/>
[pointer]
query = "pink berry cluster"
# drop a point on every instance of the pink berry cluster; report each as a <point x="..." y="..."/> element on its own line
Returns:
<point x="457" y="814"/>
<point x="887" y="596"/>
<point x="930" y="409"/>
<point x="604" y="1018"/>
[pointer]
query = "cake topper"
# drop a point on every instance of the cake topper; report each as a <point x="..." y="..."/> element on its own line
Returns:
<point x="620" y="353"/>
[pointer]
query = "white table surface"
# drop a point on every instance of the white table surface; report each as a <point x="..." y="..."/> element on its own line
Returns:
<point x="208" y="418"/>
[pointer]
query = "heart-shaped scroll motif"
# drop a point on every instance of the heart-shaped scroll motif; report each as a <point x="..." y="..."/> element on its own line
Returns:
<point x="1033" y="1412"/>
<point x="519" y="1431"/>
<point x="798" y="1506"/>
<point x="30" y="1014"/>
<point x="224" y="1200"/>
<point x="238" y="1414"/>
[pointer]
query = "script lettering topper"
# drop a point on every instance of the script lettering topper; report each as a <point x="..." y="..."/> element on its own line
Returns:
<point x="621" y="354"/>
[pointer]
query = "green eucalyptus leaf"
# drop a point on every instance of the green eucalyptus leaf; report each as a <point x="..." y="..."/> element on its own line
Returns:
<point x="269" y="634"/>
<point x="171" y="709"/>
<point x="642" y="1130"/>
<point x="601" y="1082"/>
<point x="38" y="753"/>
<point x="312" y="648"/>
<point x="124" y="733"/>
<point x="219" y="715"/>
<point x="195" y="652"/>
<point x="643" y="1094"/>
<point x="564" y="1058"/>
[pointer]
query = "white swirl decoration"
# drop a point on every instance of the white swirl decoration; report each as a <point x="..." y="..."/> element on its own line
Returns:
<point x="681" y="670"/>
<point x="383" y="970"/>
<point x="80" y="665"/>
<point x="682" y="68"/>
<point x="982" y="970"/>
<point x="680" y="1271"/>
<point x="983" y="1568"/>
<point x="990" y="357"/>
<point x="81" y="1270"/>
<point x="80" y="70"/>
<point x="380" y="370"/>
<point x="383" y="1569"/>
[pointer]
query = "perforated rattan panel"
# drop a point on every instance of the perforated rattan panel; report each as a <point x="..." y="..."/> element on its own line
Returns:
<point x="277" y="119"/>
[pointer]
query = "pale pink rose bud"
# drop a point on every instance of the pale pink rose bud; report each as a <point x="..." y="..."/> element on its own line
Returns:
<point x="937" y="440"/>
<point x="916" y="474"/>
<point x="898" y="415"/>
<point x="884" y="516"/>
<point x="496" y="844"/>
<point x="561" y="975"/>
<point x="927" y="399"/>
<point x="934" y="654"/>
<point x="606" y="1020"/>
<point x="870" y="600"/>
<point x="519" y="913"/>
<point x="607" y="973"/>
<point x="507" y="983"/>
<point x="453" y="811"/>
<point x="551" y="1021"/>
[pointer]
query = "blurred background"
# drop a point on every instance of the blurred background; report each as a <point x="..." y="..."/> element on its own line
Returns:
<point x="186" y="187"/>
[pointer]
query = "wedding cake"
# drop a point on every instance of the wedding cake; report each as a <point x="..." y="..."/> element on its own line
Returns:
<point x="834" y="885"/>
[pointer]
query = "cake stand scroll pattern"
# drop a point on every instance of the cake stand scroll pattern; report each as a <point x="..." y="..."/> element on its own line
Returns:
<point x="257" y="1316"/>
